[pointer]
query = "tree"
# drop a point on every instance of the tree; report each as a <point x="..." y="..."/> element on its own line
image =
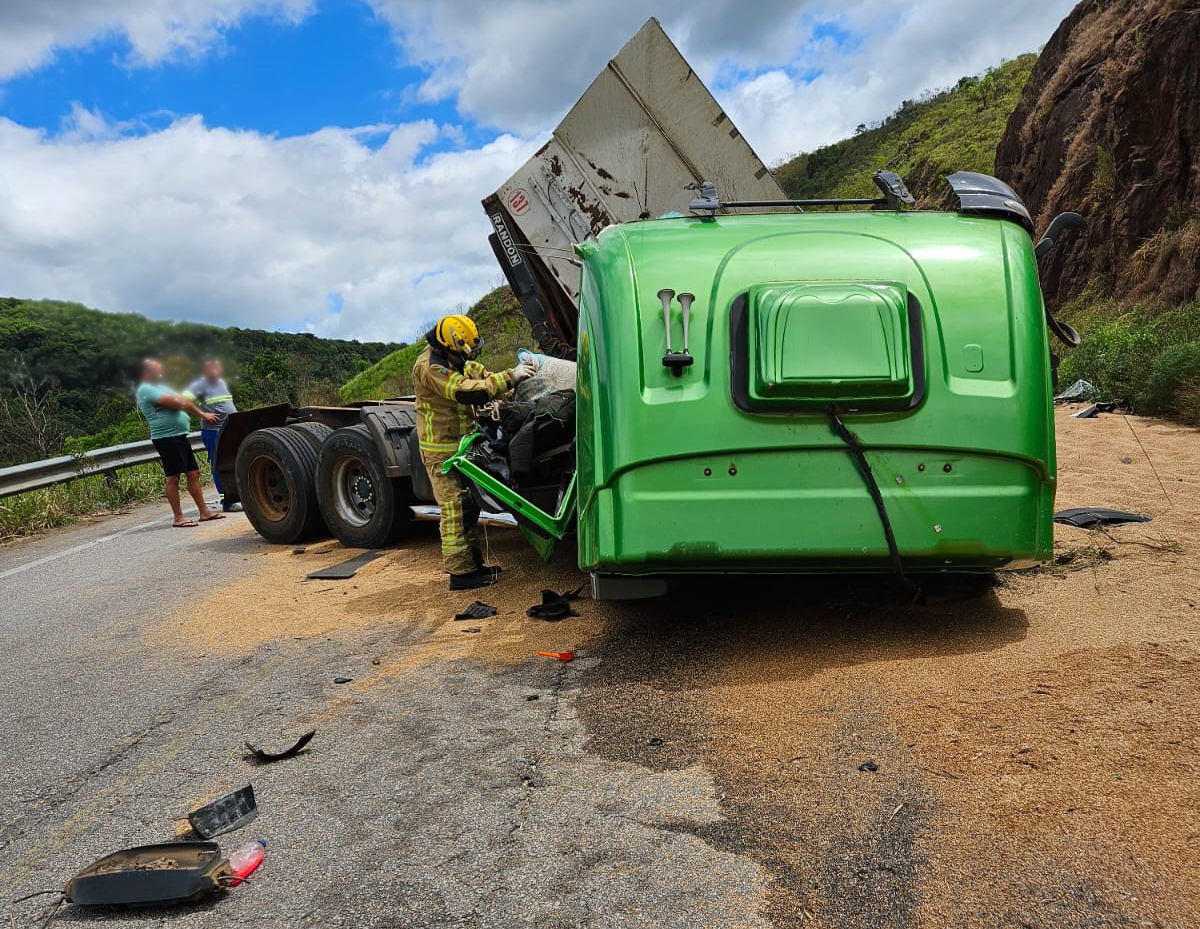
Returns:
<point x="987" y="88"/>
<point x="29" y="418"/>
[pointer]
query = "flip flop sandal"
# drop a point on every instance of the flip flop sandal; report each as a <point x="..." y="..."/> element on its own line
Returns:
<point x="186" y="524"/>
<point x="209" y="519"/>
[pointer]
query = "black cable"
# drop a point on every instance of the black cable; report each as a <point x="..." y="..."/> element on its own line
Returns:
<point x="864" y="469"/>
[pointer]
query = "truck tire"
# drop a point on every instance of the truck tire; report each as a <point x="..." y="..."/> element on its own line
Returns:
<point x="363" y="507"/>
<point x="277" y="480"/>
<point x="314" y="433"/>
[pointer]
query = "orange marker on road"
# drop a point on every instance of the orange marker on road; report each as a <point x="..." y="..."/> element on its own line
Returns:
<point x="561" y="656"/>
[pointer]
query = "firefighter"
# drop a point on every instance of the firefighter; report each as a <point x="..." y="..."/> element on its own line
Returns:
<point x="448" y="382"/>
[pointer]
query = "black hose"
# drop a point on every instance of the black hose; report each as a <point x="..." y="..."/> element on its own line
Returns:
<point x="864" y="469"/>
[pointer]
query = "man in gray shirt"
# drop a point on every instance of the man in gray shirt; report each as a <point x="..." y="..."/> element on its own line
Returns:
<point x="211" y="394"/>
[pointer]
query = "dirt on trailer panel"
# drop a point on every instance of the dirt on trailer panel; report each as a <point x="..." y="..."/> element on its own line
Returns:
<point x="1025" y="759"/>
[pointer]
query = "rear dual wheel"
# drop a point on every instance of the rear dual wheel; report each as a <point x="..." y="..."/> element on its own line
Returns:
<point x="277" y="481"/>
<point x="362" y="505"/>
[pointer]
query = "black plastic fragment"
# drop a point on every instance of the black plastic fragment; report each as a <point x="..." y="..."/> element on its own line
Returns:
<point x="344" y="570"/>
<point x="555" y="606"/>
<point x="1084" y="517"/>
<point x="477" y="610"/>
<point x="165" y="873"/>
<point x="225" y="815"/>
<point x="267" y="757"/>
<point x="1089" y="412"/>
<point x="867" y="766"/>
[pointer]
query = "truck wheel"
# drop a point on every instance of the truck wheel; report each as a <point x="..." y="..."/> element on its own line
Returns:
<point x="277" y="480"/>
<point x="362" y="505"/>
<point x="314" y="433"/>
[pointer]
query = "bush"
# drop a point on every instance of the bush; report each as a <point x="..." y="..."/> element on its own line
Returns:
<point x="131" y="428"/>
<point x="1170" y="374"/>
<point x="1145" y="354"/>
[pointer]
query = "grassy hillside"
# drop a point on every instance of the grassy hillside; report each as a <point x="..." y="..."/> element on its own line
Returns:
<point x="923" y="140"/>
<point x="504" y="330"/>
<point x="67" y="372"/>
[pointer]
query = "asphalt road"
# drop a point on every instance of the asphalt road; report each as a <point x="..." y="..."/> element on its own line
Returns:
<point x="700" y="763"/>
<point x="438" y="791"/>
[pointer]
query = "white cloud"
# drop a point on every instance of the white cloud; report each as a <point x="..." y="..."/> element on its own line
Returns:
<point x="238" y="228"/>
<point x="519" y="65"/>
<point x="32" y="30"/>
<point x="352" y="232"/>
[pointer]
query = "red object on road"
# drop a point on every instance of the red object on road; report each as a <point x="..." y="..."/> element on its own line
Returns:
<point x="561" y="656"/>
<point x="245" y="859"/>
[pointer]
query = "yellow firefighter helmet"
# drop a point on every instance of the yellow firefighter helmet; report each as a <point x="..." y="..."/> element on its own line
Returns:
<point x="459" y="334"/>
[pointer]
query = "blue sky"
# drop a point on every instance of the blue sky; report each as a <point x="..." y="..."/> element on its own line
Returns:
<point x="336" y="67"/>
<point x="318" y="164"/>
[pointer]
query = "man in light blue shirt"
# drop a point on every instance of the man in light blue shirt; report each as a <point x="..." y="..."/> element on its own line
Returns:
<point x="167" y="413"/>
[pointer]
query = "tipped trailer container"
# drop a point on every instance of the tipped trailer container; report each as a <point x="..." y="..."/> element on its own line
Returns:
<point x="763" y="385"/>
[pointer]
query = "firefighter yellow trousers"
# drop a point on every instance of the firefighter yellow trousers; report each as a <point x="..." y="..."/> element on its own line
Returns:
<point x="460" y="516"/>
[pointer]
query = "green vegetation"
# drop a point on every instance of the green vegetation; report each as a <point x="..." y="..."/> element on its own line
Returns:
<point x="1147" y="353"/>
<point x="69" y="371"/>
<point x="942" y="131"/>
<point x="39" y="510"/>
<point x="502" y="324"/>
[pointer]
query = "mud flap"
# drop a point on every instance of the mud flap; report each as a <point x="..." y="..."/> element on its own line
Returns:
<point x="234" y="430"/>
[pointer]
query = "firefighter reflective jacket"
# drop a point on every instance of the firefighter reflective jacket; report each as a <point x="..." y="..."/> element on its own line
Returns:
<point x="445" y="397"/>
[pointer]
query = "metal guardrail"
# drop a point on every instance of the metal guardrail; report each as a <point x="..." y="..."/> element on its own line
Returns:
<point x="34" y="475"/>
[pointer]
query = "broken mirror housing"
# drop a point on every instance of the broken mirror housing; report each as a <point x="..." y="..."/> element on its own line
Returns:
<point x="984" y="195"/>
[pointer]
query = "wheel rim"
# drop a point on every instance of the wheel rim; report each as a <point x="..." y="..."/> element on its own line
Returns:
<point x="354" y="492"/>
<point x="269" y="491"/>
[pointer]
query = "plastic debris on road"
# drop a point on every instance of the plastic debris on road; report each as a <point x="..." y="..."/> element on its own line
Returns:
<point x="555" y="606"/>
<point x="477" y="610"/>
<point x="266" y="757"/>
<point x="1085" y="517"/>
<point x="561" y="656"/>
<point x="245" y="859"/>
<point x="171" y="872"/>
<point x="225" y="815"/>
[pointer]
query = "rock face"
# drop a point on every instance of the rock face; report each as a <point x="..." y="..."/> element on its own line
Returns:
<point x="1109" y="126"/>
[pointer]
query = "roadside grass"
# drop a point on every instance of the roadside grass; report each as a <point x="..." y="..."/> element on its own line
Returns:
<point x="39" y="510"/>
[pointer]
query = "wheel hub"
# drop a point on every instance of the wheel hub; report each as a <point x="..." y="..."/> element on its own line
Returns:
<point x="353" y="491"/>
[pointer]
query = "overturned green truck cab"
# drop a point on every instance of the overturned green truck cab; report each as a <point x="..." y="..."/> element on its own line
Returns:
<point x="778" y="392"/>
<point x="923" y="333"/>
<point x="769" y="385"/>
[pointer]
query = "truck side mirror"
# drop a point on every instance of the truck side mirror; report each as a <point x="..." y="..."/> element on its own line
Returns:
<point x="1057" y="225"/>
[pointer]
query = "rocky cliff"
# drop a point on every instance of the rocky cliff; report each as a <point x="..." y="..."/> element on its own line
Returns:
<point x="1109" y="125"/>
